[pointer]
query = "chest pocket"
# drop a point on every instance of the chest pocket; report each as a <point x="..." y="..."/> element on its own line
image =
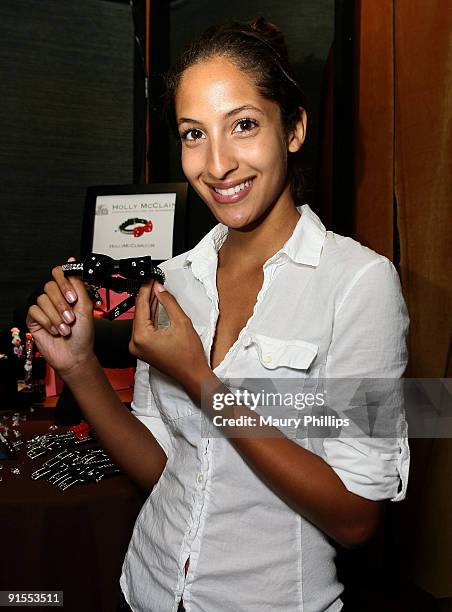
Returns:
<point x="274" y="353"/>
<point x="278" y="373"/>
<point x="170" y="397"/>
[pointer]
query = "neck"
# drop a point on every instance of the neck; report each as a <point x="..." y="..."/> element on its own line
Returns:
<point x="253" y="246"/>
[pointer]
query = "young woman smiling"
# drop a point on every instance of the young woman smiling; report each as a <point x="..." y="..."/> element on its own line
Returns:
<point x="241" y="520"/>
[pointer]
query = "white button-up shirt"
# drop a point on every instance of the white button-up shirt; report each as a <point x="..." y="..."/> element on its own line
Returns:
<point x="328" y="307"/>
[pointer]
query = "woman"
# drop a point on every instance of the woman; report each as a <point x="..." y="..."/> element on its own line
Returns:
<point x="240" y="519"/>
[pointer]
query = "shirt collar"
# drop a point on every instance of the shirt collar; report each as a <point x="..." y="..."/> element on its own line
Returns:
<point x="204" y="256"/>
<point x="306" y="243"/>
<point x="304" y="246"/>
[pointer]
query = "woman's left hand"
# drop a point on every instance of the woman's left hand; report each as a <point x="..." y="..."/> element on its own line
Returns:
<point x="175" y="350"/>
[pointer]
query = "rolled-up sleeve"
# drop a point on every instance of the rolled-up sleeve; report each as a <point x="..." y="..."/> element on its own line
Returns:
<point x="145" y="409"/>
<point x="368" y="342"/>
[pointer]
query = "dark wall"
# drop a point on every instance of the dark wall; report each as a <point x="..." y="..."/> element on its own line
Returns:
<point x="67" y="115"/>
<point x="66" y="122"/>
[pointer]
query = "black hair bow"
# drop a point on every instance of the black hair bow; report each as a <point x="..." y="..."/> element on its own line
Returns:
<point x="119" y="275"/>
<point x="97" y="267"/>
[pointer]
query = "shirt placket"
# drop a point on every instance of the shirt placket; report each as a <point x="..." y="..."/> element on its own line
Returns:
<point x="189" y="550"/>
<point x="270" y="268"/>
<point x="208" y="279"/>
<point x="191" y="543"/>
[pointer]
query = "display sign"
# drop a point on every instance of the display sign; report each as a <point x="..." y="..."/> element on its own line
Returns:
<point x="135" y="220"/>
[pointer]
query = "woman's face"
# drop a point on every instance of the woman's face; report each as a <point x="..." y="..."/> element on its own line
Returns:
<point x="234" y="150"/>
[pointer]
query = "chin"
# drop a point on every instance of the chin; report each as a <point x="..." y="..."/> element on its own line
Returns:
<point x="243" y="226"/>
<point x="234" y="221"/>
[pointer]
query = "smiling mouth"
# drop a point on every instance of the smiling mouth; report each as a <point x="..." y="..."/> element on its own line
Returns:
<point x="232" y="194"/>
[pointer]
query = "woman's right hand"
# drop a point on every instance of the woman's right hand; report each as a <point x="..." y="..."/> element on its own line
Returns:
<point x="62" y="324"/>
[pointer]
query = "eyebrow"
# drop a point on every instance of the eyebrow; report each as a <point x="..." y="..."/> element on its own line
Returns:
<point x="231" y="113"/>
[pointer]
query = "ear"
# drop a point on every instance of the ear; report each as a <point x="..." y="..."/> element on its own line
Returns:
<point x="298" y="134"/>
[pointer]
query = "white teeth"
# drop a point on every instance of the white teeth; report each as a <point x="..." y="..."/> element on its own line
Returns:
<point x="232" y="190"/>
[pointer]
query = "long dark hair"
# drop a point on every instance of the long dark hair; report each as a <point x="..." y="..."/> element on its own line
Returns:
<point x="257" y="47"/>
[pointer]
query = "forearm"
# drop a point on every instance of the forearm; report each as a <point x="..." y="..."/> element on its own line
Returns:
<point x="301" y="478"/>
<point x="127" y="440"/>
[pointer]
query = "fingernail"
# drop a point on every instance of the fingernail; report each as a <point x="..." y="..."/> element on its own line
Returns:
<point x="64" y="329"/>
<point x="68" y="316"/>
<point x="159" y="288"/>
<point x="71" y="258"/>
<point x="54" y="331"/>
<point x="70" y="296"/>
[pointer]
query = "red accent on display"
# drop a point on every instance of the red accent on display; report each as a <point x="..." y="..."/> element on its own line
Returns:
<point x="139" y="231"/>
<point x="81" y="431"/>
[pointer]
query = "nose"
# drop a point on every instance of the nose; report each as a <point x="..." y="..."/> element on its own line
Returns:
<point x="221" y="159"/>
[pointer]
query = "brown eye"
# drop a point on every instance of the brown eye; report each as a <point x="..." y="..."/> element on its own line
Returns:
<point x="245" y="125"/>
<point x="192" y="134"/>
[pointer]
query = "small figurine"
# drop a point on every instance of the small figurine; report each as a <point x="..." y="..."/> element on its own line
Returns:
<point x="17" y="342"/>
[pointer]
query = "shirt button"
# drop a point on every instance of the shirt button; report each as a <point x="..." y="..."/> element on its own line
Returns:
<point x="266" y="358"/>
<point x="200" y="478"/>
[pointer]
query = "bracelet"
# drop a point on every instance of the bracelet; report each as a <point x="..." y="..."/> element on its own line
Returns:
<point x="77" y="467"/>
<point x="47" y="443"/>
<point x="28" y="366"/>
<point x="138" y="230"/>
